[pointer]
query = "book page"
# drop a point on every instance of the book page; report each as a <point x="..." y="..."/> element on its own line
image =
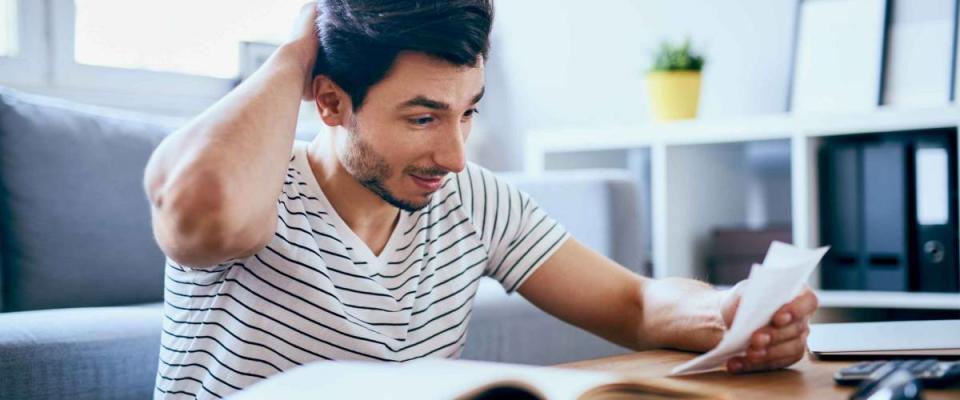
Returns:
<point x="422" y="379"/>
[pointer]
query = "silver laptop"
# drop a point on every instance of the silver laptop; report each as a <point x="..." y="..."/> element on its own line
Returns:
<point x="892" y="339"/>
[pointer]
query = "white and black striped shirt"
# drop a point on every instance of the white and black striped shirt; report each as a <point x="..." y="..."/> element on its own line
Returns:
<point x="316" y="292"/>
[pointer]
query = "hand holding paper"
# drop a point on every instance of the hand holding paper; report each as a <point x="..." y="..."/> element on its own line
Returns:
<point x="771" y="285"/>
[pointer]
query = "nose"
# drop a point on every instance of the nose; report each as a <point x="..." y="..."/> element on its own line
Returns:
<point x="450" y="152"/>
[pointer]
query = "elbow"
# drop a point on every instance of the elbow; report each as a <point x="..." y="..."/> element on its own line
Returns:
<point x="193" y="224"/>
<point x="192" y="202"/>
<point x="153" y="181"/>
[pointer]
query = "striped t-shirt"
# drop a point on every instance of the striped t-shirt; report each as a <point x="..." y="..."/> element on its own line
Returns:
<point x="316" y="291"/>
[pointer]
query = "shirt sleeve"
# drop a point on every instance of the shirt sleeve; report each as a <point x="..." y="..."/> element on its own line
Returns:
<point x="206" y="268"/>
<point x="518" y="234"/>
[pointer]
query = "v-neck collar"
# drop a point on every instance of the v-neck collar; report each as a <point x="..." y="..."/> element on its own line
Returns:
<point x="361" y="252"/>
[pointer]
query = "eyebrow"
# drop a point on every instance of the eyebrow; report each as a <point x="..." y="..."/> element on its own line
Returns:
<point x="423" y="101"/>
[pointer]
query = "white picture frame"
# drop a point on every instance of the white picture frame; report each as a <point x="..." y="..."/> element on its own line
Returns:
<point x="839" y="56"/>
<point x="956" y="53"/>
<point x="920" y="54"/>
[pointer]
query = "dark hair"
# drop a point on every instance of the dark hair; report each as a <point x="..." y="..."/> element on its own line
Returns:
<point x="360" y="39"/>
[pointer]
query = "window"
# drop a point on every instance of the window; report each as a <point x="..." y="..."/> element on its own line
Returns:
<point x="9" y="35"/>
<point x="172" y="57"/>
<point x="180" y="36"/>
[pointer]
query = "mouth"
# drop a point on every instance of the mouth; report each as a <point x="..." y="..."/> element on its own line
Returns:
<point x="430" y="184"/>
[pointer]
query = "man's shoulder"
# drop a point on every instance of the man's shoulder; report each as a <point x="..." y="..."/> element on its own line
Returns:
<point x="472" y="174"/>
<point x="472" y="181"/>
<point x="481" y="192"/>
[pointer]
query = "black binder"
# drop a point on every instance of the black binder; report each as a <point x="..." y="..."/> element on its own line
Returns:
<point x="885" y="252"/>
<point x="840" y="220"/>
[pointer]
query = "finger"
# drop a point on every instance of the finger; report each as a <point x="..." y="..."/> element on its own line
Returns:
<point x="306" y="21"/>
<point x="736" y="364"/>
<point x="769" y="335"/>
<point x="308" y="10"/>
<point x="801" y="306"/>
<point x="794" y="348"/>
<point x="768" y="365"/>
<point x="771" y="362"/>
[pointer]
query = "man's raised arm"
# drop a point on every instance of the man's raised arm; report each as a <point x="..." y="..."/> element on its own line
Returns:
<point x="213" y="184"/>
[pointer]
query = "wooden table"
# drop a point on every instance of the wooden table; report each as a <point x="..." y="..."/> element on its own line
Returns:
<point x="808" y="379"/>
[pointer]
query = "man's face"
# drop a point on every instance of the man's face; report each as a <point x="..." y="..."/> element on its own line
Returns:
<point x="410" y="131"/>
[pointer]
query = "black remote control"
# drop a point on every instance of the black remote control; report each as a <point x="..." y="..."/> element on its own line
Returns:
<point x="931" y="372"/>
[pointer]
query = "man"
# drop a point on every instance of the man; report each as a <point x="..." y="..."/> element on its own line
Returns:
<point x="368" y="243"/>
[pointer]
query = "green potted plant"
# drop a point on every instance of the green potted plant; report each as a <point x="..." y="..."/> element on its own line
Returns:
<point x="674" y="81"/>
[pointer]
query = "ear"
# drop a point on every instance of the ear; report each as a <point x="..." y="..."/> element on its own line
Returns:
<point x="333" y="103"/>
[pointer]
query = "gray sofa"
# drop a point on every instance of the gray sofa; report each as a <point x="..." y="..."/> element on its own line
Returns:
<point x="81" y="278"/>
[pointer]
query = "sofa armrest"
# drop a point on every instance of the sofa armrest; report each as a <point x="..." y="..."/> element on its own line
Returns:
<point x="80" y="353"/>
<point x="508" y="328"/>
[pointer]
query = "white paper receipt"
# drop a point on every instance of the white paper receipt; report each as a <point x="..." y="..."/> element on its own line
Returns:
<point x="771" y="285"/>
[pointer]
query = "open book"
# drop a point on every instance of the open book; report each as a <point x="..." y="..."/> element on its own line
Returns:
<point x="457" y="379"/>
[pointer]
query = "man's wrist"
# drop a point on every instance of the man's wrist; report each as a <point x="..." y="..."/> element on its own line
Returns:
<point x="683" y="314"/>
<point x="299" y="55"/>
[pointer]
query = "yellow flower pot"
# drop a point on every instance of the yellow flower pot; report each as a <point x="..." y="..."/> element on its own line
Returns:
<point x="674" y="94"/>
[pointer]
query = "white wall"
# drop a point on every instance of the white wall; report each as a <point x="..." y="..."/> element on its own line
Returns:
<point x="568" y="63"/>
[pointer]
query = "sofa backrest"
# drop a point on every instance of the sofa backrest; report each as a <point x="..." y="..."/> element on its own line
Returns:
<point x="75" y="225"/>
<point x="598" y="207"/>
<point x="75" y="222"/>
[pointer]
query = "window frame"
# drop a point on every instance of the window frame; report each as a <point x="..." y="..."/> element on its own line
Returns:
<point x="166" y="87"/>
<point x="29" y="65"/>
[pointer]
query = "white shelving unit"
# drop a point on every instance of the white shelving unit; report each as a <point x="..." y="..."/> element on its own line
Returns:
<point x="697" y="184"/>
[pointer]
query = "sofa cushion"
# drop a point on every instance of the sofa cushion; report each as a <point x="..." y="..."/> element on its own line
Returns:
<point x="80" y="353"/>
<point x="76" y="222"/>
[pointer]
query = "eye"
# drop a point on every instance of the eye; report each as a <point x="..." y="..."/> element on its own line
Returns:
<point x="421" y="121"/>
<point x="470" y="113"/>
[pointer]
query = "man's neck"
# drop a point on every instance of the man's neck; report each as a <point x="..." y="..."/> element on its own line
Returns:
<point x="368" y="216"/>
